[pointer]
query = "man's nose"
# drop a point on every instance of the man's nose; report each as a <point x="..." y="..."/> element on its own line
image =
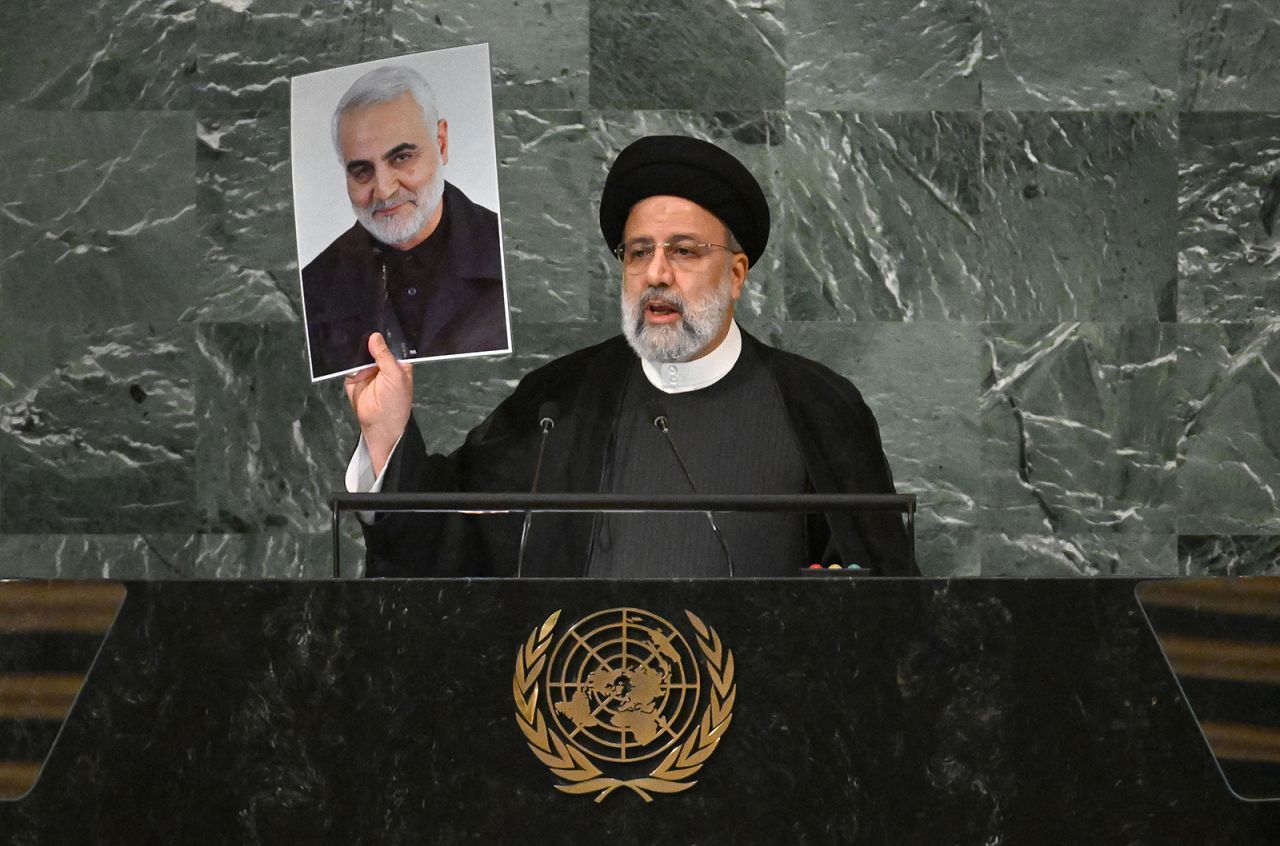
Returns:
<point x="385" y="183"/>
<point x="659" y="271"/>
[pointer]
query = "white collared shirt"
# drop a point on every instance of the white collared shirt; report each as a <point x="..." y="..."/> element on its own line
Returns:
<point x="668" y="377"/>
<point x="684" y="376"/>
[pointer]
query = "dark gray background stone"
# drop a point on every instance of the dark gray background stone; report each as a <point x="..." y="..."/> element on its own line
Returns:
<point x="1059" y="293"/>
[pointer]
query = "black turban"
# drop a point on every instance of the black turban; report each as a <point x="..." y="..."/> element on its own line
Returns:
<point x="696" y="170"/>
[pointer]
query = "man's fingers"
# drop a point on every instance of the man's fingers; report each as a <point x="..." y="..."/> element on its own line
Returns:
<point x="361" y="377"/>
<point x="352" y="388"/>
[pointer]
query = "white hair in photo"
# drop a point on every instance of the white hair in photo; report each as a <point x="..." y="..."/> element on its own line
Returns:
<point x="383" y="85"/>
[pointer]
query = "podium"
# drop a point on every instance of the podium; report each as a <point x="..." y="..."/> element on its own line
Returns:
<point x="864" y="711"/>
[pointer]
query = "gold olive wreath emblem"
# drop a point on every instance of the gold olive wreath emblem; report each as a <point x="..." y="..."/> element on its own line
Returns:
<point x="621" y="687"/>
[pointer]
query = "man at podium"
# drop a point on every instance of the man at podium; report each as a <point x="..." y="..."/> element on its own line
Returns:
<point x="683" y="401"/>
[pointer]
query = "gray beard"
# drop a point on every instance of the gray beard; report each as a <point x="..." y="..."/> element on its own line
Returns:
<point x="681" y="341"/>
<point x="394" y="232"/>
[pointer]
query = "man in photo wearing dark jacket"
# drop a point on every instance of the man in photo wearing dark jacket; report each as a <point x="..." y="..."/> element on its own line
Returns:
<point x="422" y="266"/>
<point x="686" y="220"/>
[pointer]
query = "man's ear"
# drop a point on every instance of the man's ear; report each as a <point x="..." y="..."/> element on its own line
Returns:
<point x="442" y="138"/>
<point x="738" y="273"/>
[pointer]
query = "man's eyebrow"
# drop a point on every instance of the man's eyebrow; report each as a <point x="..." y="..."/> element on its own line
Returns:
<point x="398" y="149"/>
<point x="356" y="164"/>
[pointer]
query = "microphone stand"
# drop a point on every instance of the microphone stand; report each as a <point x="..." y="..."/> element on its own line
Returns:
<point x="546" y="424"/>
<point x="660" y="422"/>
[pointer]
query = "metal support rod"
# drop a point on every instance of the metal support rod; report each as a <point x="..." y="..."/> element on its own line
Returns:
<point x="337" y="541"/>
<point x="911" y="535"/>
<point x="521" y="502"/>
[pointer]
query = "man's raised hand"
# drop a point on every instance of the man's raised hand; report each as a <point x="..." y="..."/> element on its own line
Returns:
<point x="382" y="397"/>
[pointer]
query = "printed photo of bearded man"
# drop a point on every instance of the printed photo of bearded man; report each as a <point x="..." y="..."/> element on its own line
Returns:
<point x="422" y="265"/>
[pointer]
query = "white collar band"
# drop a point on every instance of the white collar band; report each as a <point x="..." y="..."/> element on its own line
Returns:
<point x="682" y="376"/>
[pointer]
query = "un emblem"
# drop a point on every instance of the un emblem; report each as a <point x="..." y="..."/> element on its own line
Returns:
<point x="617" y="701"/>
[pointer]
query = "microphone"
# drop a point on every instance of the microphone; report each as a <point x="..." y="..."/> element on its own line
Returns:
<point x="661" y="423"/>
<point x="547" y="414"/>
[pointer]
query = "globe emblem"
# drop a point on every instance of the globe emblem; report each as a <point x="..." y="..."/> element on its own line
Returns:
<point x="622" y="685"/>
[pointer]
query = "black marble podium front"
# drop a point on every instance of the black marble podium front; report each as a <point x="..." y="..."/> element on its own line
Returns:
<point x="867" y="711"/>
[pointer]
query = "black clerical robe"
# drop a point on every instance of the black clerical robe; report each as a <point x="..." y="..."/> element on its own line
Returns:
<point x="836" y="432"/>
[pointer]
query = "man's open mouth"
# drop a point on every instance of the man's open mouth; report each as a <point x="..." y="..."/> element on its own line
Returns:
<point x="657" y="308"/>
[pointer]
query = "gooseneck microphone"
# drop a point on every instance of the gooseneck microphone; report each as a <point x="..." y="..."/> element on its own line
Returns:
<point x="661" y="423"/>
<point x="547" y="414"/>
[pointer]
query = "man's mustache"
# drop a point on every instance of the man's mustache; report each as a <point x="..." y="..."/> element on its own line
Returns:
<point x="395" y="199"/>
<point x="662" y="295"/>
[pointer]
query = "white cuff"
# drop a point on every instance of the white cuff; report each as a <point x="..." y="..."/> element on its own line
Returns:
<point x="360" y="475"/>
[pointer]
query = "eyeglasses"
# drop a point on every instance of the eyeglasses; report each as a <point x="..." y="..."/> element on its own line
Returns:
<point x="683" y="253"/>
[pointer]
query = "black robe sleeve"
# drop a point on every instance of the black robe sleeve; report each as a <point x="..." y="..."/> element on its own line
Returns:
<point x="498" y="456"/>
<point x="840" y="441"/>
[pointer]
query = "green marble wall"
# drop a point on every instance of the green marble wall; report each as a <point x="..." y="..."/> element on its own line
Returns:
<point x="1040" y="236"/>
